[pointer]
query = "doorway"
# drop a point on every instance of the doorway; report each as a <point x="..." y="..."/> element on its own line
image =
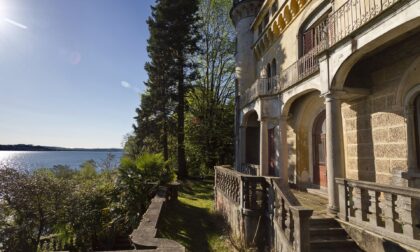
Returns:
<point x="319" y="151"/>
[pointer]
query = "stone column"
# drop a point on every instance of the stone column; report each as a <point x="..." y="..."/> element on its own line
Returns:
<point x="335" y="153"/>
<point x="263" y="147"/>
<point x="242" y="148"/>
<point x="411" y="136"/>
<point x="283" y="158"/>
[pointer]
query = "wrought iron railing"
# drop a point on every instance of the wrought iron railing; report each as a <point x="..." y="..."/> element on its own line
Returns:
<point x="301" y="69"/>
<point x="352" y="15"/>
<point x="345" y="20"/>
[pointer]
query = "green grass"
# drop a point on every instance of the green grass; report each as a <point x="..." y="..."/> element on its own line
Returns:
<point x="192" y="221"/>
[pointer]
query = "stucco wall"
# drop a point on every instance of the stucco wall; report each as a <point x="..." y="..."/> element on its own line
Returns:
<point x="285" y="51"/>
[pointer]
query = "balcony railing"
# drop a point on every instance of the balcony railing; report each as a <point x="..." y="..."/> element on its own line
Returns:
<point x="345" y="20"/>
<point x="352" y="15"/>
<point x="304" y="67"/>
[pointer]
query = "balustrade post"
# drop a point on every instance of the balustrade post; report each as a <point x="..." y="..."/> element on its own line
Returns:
<point x="301" y="228"/>
<point x="389" y="212"/>
<point x="373" y="208"/>
<point x="357" y="197"/>
<point x="343" y="199"/>
<point x="404" y="210"/>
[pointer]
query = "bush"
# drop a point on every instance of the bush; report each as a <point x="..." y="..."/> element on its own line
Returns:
<point x="155" y="168"/>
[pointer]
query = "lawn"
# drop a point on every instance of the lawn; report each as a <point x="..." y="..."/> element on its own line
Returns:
<point x="192" y="221"/>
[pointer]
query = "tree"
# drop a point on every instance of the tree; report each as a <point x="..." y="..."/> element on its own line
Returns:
<point x="211" y="116"/>
<point x="173" y="41"/>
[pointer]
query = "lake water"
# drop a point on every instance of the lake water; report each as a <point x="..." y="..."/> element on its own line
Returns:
<point x="30" y="160"/>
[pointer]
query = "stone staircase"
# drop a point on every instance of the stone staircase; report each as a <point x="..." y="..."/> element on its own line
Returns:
<point x="326" y="235"/>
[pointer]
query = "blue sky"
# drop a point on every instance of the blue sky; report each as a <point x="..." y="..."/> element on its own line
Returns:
<point x="71" y="70"/>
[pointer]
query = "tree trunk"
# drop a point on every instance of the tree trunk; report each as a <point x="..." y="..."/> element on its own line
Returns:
<point x="182" y="167"/>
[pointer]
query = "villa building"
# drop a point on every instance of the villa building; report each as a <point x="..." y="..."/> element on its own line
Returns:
<point x="327" y="110"/>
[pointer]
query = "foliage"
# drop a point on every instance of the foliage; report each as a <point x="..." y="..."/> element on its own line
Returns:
<point x="85" y="206"/>
<point x="210" y="121"/>
<point x="173" y="28"/>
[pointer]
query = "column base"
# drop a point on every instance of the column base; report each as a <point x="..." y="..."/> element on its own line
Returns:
<point x="332" y="210"/>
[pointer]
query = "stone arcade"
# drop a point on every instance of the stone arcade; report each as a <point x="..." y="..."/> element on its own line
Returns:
<point x="327" y="126"/>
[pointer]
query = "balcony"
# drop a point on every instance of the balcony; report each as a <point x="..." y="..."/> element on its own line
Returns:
<point x="298" y="71"/>
<point x="340" y="24"/>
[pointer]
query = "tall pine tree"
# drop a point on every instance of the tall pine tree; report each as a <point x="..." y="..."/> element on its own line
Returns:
<point x="173" y="42"/>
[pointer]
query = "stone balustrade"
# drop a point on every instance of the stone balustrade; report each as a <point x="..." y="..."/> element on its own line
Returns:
<point x="266" y="212"/>
<point x="291" y="220"/>
<point x="228" y="181"/>
<point x="390" y="211"/>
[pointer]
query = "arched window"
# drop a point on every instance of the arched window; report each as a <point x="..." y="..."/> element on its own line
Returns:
<point x="273" y="79"/>
<point x="312" y="33"/>
<point x="416" y="110"/>
<point x="268" y="77"/>
<point x="274" y="67"/>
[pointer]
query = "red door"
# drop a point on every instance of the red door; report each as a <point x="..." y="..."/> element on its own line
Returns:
<point x="320" y="154"/>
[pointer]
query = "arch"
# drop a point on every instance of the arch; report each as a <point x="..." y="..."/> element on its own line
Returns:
<point x="251" y="139"/>
<point x="303" y="111"/>
<point x="346" y="58"/>
<point x="287" y="14"/>
<point x="314" y="14"/>
<point x="408" y="84"/>
<point x="294" y="7"/>
<point x="289" y="99"/>
<point x="412" y="111"/>
<point x="248" y="116"/>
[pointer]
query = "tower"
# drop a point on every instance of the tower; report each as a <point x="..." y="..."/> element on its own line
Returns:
<point x="243" y="14"/>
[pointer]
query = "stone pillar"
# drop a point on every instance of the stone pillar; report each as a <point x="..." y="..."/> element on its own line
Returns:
<point x="242" y="148"/>
<point x="335" y="153"/>
<point x="283" y="158"/>
<point x="263" y="148"/>
<point x="411" y="136"/>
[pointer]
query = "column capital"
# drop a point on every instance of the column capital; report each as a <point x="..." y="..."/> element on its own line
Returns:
<point x="333" y="95"/>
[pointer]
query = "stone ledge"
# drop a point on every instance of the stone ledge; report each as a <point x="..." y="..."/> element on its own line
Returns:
<point x="145" y="234"/>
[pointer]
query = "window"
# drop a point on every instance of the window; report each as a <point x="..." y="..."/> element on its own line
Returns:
<point x="416" y="111"/>
<point x="273" y="80"/>
<point x="260" y="29"/>
<point x="266" y="19"/>
<point x="313" y="36"/>
<point x="274" y="8"/>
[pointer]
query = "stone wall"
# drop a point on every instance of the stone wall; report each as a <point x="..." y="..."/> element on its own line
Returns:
<point x="375" y="128"/>
<point x="231" y="213"/>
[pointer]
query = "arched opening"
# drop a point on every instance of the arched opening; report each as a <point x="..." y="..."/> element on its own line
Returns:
<point x="313" y="31"/>
<point x="252" y="143"/>
<point x="273" y="72"/>
<point x="319" y="151"/>
<point x="417" y="128"/>
<point x="269" y="77"/>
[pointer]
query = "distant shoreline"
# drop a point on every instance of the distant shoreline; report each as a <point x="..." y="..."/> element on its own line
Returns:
<point x="28" y="147"/>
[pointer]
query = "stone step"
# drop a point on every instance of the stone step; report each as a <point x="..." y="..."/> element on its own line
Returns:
<point x="324" y="223"/>
<point x="330" y="244"/>
<point x="327" y="232"/>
